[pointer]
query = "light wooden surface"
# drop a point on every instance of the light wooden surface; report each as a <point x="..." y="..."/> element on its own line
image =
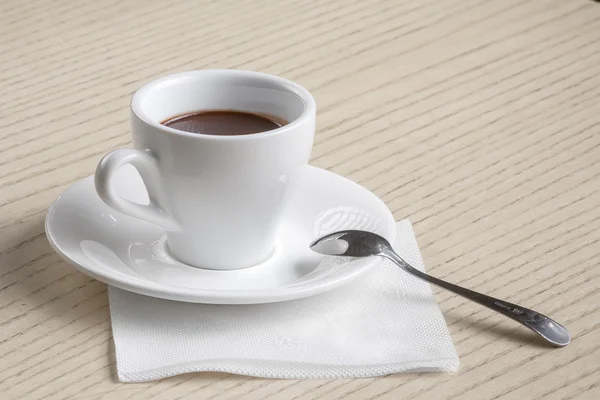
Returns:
<point x="479" y="120"/>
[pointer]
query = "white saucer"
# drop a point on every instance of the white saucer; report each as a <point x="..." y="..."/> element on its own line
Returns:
<point x="131" y="254"/>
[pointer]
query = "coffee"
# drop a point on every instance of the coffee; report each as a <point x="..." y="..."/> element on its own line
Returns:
<point x="224" y="123"/>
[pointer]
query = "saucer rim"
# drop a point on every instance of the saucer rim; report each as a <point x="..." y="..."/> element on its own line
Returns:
<point x="212" y="296"/>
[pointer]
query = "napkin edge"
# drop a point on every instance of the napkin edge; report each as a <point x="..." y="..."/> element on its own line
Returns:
<point x="272" y="369"/>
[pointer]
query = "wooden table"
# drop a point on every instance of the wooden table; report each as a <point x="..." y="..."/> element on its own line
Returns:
<point x="478" y="120"/>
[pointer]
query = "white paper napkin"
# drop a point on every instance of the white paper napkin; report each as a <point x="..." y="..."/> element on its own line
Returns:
<point x="382" y="323"/>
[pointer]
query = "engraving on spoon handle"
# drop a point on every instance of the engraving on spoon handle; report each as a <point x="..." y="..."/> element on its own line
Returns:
<point x="544" y="326"/>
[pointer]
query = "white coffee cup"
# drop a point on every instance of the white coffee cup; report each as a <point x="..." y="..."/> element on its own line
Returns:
<point x="218" y="198"/>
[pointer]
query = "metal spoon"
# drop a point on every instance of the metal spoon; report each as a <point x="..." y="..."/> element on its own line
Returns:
<point x="365" y="244"/>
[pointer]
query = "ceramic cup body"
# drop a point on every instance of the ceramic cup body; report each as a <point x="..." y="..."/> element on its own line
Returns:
<point x="219" y="198"/>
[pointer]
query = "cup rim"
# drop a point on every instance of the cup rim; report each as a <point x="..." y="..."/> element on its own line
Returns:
<point x="308" y="100"/>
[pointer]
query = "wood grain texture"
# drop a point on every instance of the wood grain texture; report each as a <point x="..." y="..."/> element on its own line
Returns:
<point x="478" y="120"/>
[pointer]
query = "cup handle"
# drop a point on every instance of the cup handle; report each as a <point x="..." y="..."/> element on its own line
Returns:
<point x="146" y="165"/>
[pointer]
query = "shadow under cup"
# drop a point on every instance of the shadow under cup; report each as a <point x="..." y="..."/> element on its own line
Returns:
<point x="225" y="195"/>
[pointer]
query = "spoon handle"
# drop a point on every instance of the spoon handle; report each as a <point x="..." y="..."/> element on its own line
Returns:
<point x="544" y="326"/>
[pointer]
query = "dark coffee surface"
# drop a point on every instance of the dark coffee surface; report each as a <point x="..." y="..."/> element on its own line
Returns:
<point x="223" y="123"/>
